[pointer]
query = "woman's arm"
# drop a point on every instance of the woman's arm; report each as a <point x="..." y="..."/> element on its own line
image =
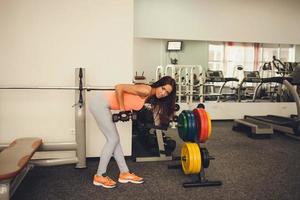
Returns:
<point x="140" y="90"/>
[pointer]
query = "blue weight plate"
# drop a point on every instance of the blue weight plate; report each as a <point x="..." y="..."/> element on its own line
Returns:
<point x="190" y="126"/>
<point x="193" y="132"/>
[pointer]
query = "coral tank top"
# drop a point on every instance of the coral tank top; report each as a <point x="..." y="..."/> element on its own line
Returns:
<point x="131" y="101"/>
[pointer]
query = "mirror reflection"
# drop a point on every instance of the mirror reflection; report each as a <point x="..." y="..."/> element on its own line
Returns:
<point x="218" y="71"/>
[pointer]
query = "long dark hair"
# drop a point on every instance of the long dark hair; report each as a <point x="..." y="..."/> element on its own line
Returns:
<point x="165" y="106"/>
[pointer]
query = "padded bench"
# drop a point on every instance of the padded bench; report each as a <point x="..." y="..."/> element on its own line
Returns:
<point x="14" y="164"/>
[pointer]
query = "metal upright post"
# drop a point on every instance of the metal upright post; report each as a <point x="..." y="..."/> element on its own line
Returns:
<point x="80" y="118"/>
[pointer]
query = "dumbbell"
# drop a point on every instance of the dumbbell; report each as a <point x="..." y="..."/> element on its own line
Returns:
<point x="177" y="107"/>
<point x="124" y="116"/>
<point x="201" y="105"/>
<point x="175" y="118"/>
<point x="170" y="145"/>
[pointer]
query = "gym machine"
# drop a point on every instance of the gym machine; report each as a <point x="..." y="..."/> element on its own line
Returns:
<point x="189" y="81"/>
<point x="266" y="124"/>
<point x="218" y="77"/>
<point x="249" y="77"/>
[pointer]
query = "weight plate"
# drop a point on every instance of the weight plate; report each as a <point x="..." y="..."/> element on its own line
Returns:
<point x="191" y="126"/>
<point x="203" y="119"/>
<point x="205" y="157"/>
<point x="201" y="125"/>
<point x="193" y="158"/>
<point x="206" y="125"/>
<point x="182" y="125"/>
<point x="188" y="130"/>
<point x="197" y="159"/>
<point x="194" y="131"/>
<point x="186" y="158"/>
<point x="198" y="123"/>
<point x="209" y="125"/>
<point x="187" y="136"/>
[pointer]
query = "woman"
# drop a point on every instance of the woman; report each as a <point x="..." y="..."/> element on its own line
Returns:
<point x="161" y="95"/>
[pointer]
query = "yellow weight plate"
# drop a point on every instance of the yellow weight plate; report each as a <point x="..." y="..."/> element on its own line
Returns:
<point x="198" y="161"/>
<point x="191" y="157"/>
<point x="184" y="158"/>
<point x="186" y="161"/>
<point x="209" y="125"/>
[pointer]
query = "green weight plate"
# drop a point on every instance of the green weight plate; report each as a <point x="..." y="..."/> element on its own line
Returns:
<point x="182" y="125"/>
<point x="187" y="133"/>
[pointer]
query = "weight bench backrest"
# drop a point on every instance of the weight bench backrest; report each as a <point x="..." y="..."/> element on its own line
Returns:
<point x="16" y="156"/>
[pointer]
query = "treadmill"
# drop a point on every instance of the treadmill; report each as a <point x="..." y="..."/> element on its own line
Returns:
<point x="217" y="76"/>
<point x="249" y="77"/>
<point x="266" y="124"/>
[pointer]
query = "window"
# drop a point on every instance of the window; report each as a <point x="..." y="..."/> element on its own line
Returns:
<point x="238" y="54"/>
<point x="216" y="56"/>
<point x="227" y="56"/>
<point x="286" y="53"/>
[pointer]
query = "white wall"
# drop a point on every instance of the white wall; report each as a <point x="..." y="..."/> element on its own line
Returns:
<point x="148" y="54"/>
<point x="264" y="21"/>
<point x="41" y="42"/>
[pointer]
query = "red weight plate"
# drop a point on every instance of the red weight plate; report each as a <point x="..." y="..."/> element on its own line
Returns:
<point x="206" y="120"/>
<point x="198" y="123"/>
<point x="204" y="127"/>
<point x="200" y="135"/>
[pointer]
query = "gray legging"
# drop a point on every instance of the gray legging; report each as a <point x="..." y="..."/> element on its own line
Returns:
<point x="100" y="109"/>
